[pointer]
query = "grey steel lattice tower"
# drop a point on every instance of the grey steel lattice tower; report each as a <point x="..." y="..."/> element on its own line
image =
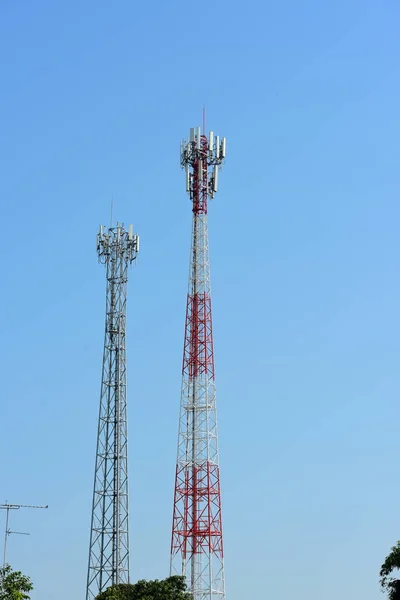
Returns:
<point x="109" y="537"/>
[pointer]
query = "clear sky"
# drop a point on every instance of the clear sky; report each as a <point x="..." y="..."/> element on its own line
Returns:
<point x="304" y="235"/>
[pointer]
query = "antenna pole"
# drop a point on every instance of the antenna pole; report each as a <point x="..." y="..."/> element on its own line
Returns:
<point x="6" y="536"/>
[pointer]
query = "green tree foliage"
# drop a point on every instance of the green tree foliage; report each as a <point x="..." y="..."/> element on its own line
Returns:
<point x="14" y="585"/>
<point x="172" y="588"/>
<point x="389" y="584"/>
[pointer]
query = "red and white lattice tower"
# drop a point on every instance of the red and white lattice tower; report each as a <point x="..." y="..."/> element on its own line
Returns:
<point x="197" y="546"/>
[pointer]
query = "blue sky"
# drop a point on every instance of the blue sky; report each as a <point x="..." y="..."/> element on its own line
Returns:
<point x="304" y="239"/>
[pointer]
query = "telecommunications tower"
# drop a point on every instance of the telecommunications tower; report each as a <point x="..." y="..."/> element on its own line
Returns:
<point x="117" y="248"/>
<point x="197" y="547"/>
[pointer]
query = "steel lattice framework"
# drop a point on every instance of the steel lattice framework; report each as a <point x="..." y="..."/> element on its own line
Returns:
<point x="197" y="544"/>
<point x="109" y="538"/>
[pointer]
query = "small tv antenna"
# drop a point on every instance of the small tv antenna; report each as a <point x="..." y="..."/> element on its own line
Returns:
<point x="8" y="532"/>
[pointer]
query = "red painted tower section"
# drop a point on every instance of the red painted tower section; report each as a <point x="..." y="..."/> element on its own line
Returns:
<point x="197" y="542"/>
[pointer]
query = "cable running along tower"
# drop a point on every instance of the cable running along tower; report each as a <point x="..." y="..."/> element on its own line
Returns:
<point x="117" y="248"/>
<point x="197" y="547"/>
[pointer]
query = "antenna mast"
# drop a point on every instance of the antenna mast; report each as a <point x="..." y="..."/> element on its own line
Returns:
<point x="7" y="532"/>
<point x="197" y="545"/>
<point x="117" y="248"/>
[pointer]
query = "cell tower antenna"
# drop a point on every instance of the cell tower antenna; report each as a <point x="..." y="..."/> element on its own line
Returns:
<point x="197" y="543"/>
<point x="7" y="532"/>
<point x="108" y="564"/>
